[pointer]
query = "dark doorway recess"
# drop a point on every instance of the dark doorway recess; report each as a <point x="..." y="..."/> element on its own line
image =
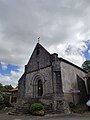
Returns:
<point x="40" y="88"/>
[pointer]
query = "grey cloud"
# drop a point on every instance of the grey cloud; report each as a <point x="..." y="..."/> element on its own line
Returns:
<point x="56" y="21"/>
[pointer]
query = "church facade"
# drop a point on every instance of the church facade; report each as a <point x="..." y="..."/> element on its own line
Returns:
<point x="51" y="80"/>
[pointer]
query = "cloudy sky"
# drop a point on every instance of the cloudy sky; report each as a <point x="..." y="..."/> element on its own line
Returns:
<point x="63" y="25"/>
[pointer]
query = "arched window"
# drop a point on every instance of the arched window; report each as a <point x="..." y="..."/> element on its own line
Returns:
<point x="40" y="88"/>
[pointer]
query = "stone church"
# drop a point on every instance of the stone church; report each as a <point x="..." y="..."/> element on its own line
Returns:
<point x="51" y="80"/>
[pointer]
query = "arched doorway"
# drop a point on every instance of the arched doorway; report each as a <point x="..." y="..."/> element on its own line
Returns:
<point x="40" y="88"/>
<point x="38" y="85"/>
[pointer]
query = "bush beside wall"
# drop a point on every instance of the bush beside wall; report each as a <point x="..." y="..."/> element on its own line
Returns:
<point x="37" y="109"/>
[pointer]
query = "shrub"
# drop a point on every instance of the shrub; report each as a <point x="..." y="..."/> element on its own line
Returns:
<point x="37" y="109"/>
<point x="79" y="108"/>
<point x="39" y="113"/>
<point x="1" y="101"/>
<point x="82" y="108"/>
<point x="4" y="101"/>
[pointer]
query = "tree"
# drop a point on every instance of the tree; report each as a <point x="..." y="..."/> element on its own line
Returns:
<point x="8" y="87"/>
<point x="86" y="65"/>
<point x="2" y="89"/>
<point x="5" y="88"/>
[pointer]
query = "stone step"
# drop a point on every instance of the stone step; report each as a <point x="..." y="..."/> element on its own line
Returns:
<point x="22" y="108"/>
<point x="22" y="111"/>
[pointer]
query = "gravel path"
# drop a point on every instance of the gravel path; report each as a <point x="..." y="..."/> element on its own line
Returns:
<point x="5" y="116"/>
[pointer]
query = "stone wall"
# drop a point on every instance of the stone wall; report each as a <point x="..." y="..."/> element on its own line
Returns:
<point x="21" y="88"/>
<point x="70" y="81"/>
<point x="58" y="78"/>
<point x="58" y="97"/>
<point x="40" y="58"/>
<point x="46" y="76"/>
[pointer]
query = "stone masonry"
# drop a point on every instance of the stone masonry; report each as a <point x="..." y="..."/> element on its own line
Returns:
<point x="50" y="80"/>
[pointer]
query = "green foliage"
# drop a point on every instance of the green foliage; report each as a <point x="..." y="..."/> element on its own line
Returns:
<point x="86" y="65"/>
<point x="2" y="89"/>
<point x="4" y="98"/>
<point x="1" y="101"/>
<point x="5" y="88"/>
<point x="4" y="101"/>
<point x="37" y="109"/>
<point x="8" y="87"/>
<point x="79" y="108"/>
<point x="39" y="113"/>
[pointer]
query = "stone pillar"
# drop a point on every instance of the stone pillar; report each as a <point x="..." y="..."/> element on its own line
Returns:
<point x="59" y="104"/>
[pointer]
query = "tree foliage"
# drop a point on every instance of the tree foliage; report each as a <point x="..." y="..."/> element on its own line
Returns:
<point x="86" y="65"/>
<point x="4" y="97"/>
<point x="5" y="88"/>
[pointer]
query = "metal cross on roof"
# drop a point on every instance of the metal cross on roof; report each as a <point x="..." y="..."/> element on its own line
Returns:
<point x="38" y="39"/>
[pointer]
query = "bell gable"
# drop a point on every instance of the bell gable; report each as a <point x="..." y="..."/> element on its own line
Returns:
<point x="39" y="59"/>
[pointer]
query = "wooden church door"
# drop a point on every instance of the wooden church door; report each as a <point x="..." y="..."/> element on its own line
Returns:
<point x="40" y="88"/>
